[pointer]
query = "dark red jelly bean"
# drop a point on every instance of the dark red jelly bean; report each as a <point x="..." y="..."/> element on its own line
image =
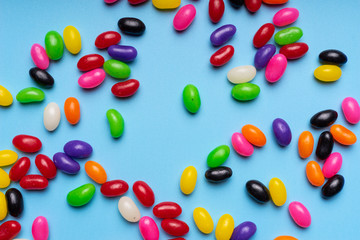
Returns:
<point x="46" y="166"/>
<point x="253" y="5"/>
<point x="222" y="56"/>
<point x="15" y="202"/>
<point x="167" y="210"/>
<point x="263" y="35"/>
<point x="9" y="230"/>
<point x="174" y="227"/>
<point x="34" y="182"/>
<point x="114" y="188"/>
<point x="20" y="169"/>
<point x="144" y="193"/>
<point x="126" y="88"/>
<point x="294" y="50"/>
<point x="90" y="62"/>
<point x="27" y="143"/>
<point x="106" y="39"/>
<point x="216" y="10"/>
<point x="136" y="2"/>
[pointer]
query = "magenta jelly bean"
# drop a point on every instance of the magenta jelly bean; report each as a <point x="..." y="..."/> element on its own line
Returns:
<point x="300" y="214"/>
<point x="332" y="165"/>
<point x="276" y="68"/>
<point x="241" y="145"/>
<point x="184" y="17"/>
<point x="39" y="56"/>
<point x="40" y="228"/>
<point x="148" y="228"/>
<point x="351" y="110"/>
<point x="285" y="17"/>
<point x="92" y="79"/>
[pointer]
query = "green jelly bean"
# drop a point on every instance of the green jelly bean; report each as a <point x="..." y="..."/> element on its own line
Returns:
<point x="116" y="122"/>
<point x="288" y="35"/>
<point x="30" y="94"/>
<point x="245" y="91"/>
<point x="218" y="156"/>
<point x="191" y="98"/>
<point x="54" y="45"/>
<point x="117" y="69"/>
<point x="81" y="195"/>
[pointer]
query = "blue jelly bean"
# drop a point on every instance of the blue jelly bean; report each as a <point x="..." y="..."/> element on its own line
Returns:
<point x="244" y="231"/>
<point x="65" y="163"/>
<point x="282" y="132"/>
<point x="78" y="149"/>
<point x="263" y="55"/>
<point x="222" y="34"/>
<point x="122" y="53"/>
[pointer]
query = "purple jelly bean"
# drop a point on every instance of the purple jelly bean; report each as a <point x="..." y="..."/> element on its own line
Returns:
<point x="65" y="163"/>
<point x="122" y="53"/>
<point x="263" y="55"/>
<point x="222" y="34"/>
<point x="244" y="231"/>
<point x="78" y="149"/>
<point x="282" y="132"/>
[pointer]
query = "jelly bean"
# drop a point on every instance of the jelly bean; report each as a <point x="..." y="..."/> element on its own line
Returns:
<point x="40" y="228"/>
<point x="136" y="2"/>
<point x="39" y="57"/>
<point x="333" y="186"/>
<point x="263" y="55"/>
<point x="27" y="143"/>
<point x="166" y="4"/>
<point x="174" y="227"/>
<point x="327" y="73"/>
<point x="114" y="188"/>
<point x="72" y="110"/>
<point x="314" y="174"/>
<point x="148" y="228"/>
<point x="117" y="69"/>
<point x="218" y="156"/>
<point x="144" y="193"/>
<point x="30" y="95"/>
<point x="258" y="191"/>
<point x="254" y="135"/>
<point x="294" y="50"/>
<point x="96" y="172"/>
<point x="128" y="209"/>
<point x="324" y="118"/>
<point x="222" y="34"/>
<point x="126" y="88"/>
<point x="333" y="56"/>
<point x="92" y="79"/>
<point x="78" y="149"/>
<point x="236" y="3"/>
<point x="218" y="174"/>
<point x="332" y="165"/>
<point x="285" y="238"/>
<point x="72" y="39"/>
<point x="241" y="74"/>
<point x="275" y="1"/>
<point x="6" y="98"/>
<point x="184" y="17"/>
<point x="351" y="110"/>
<point x="34" y="182"/>
<point x="42" y="77"/>
<point x="241" y="145"/>
<point x="325" y="145"/>
<point x="188" y="180"/>
<point x="288" y="35"/>
<point x="46" y="167"/>
<point x="244" y="231"/>
<point x="20" y="169"/>
<point x="225" y="227"/>
<point x="9" y="230"/>
<point x="282" y="132"/>
<point x="90" y="62"/>
<point x="81" y="195"/>
<point x="116" y="123"/>
<point x="131" y="26"/>
<point x="7" y="157"/>
<point x="276" y="68"/>
<point x="54" y="45"/>
<point x="167" y="210"/>
<point x="305" y="144"/>
<point x="277" y="191"/>
<point x="216" y="10"/>
<point x="203" y="220"/>
<point x="300" y="214"/>
<point x="110" y="1"/>
<point x="191" y="98"/>
<point x="245" y="91"/>
<point x="52" y="116"/>
<point x="14" y="201"/>
<point x="222" y="56"/>
<point x="263" y="35"/>
<point x="106" y="39"/>
<point x="285" y="17"/>
<point x="3" y="206"/>
<point x="4" y="179"/>
<point x="253" y="5"/>
<point x="343" y="135"/>
<point x="122" y="53"/>
<point x="65" y="163"/>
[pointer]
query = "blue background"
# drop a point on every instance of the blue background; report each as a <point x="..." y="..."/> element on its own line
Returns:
<point x="161" y="138"/>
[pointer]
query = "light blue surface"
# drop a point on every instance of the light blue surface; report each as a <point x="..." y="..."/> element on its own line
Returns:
<point x="160" y="137"/>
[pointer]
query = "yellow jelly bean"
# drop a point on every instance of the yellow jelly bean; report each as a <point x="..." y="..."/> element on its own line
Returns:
<point x="166" y="4"/>
<point x="7" y="157"/>
<point x="72" y="39"/>
<point x="224" y="227"/>
<point x="3" y="206"/>
<point x="4" y="179"/>
<point x="188" y="180"/>
<point x="203" y="220"/>
<point x="277" y="191"/>
<point x="327" y="73"/>
<point x="6" y="98"/>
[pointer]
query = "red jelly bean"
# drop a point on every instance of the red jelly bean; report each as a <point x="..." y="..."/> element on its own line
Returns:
<point x="178" y="239"/>
<point x="20" y="169"/>
<point x="253" y="5"/>
<point x="9" y="230"/>
<point x="34" y="182"/>
<point x="294" y="50"/>
<point x="222" y="56"/>
<point x="106" y="39"/>
<point x="144" y="193"/>
<point x="167" y="210"/>
<point x="216" y="10"/>
<point x="174" y="227"/>
<point x="263" y="35"/>
<point x="135" y="2"/>
<point x="27" y="143"/>
<point x="90" y="62"/>
<point x="114" y="188"/>
<point x="126" y="88"/>
<point x="46" y="166"/>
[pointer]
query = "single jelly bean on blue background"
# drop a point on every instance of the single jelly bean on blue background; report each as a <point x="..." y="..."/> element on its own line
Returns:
<point x="122" y="53"/>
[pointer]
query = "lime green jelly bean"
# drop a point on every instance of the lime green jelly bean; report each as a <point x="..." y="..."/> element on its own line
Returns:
<point x="218" y="156"/>
<point x="288" y="35"/>
<point x="81" y="195"/>
<point x="30" y="94"/>
<point x="191" y="98"/>
<point x="54" y="45"/>
<point x="245" y="91"/>
<point x="116" y="122"/>
<point x="117" y="69"/>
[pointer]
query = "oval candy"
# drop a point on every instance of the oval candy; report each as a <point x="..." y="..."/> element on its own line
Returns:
<point x="294" y="50"/>
<point x="252" y="5"/>
<point x="241" y="74"/>
<point x="188" y="180"/>
<point x="126" y="88"/>
<point x="218" y="156"/>
<point x="333" y="186"/>
<point x="244" y="231"/>
<point x="34" y="182"/>
<point x="4" y="179"/>
<point x="81" y="195"/>
<point x="106" y="39"/>
<point x="263" y="35"/>
<point x="222" y="34"/>
<point x="277" y="191"/>
<point x="117" y="69"/>
<point x="245" y="91"/>
<point x="148" y="229"/>
<point x="285" y="17"/>
<point x="128" y="209"/>
<point x="351" y="110"/>
<point x="236" y="3"/>
<point x="65" y="163"/>
<point x="131" y="26"/>
<point x="263" y="55"/>
<point x="90" y="62"/>
<point x="3" y="207"/>
<point x="136" y="2"/>
<point x="46" y="167"/>
<point x="9" y="230"/>
<point x="27" y="143"/>
<point x="275" y="1"/>
<point x="39" y="56"/>
<point x="216" y="10"/>
<point x="30" y="95"/>
<point x="325" y="145"/>
<point x="218" y="174"/>
<point x="314" y="174"/>
<point x="166" y="4"/>
<point x="7" y="157"/>
<point x="6" y="98"/>
<point x="288" y="35"/>
<point x="333" y="56"/>
<point x="72" y="110"/>
<point x="305" y="144"/>
<point x="327" y="73"/>
<point x="332" y="165"/>
<point x="116" y="123"/>
<point x="222" y="56"/>
<point x="52" y="116"/>
<point x="14" y="201"/>
<point x="40" y="228"/>
<point x="122" y="53"/>
<point x="258" y="191"/>
<point x="203" y="220"/>
<point x="276" y="67"/>
<point x="54" y="45"/>
<point x="300" y="214"/>
<point x="285" y="238"/>
<point x="184" y="17"/>
<point x="191" y="98"/>
<point x="41" y="77"/>
<point x="19" y="169"/>
<point x="72" y="39"/>
<point x="96" y="172"/>
<point x="225" y="227"/>
<point x="343" y="135"/>
<point x="174" y="227"/>
<point x="78" y="149"/>
<point x="241" y="145"/>
<point x="254" y="135"/>
<point x="167" y="210"/>
<point x="114" y="188"/>
<point x="144" y="193"/>
<point x="282" y="132"/>
<point x="323" y="118"/>
<point x="92" y="78"/>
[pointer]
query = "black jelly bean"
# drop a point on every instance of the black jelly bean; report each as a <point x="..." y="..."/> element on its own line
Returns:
<point x="42" y="77"/>
<point x="131" y="26"/>
<point x="325" y="145"/>
<point x="258" y="191"/>
<point x="218" y="174"/>
<point x="15" y="202"/>
<point x="333" y="186"/>
<point x="324" y="118"/>
<point x="236" y="3"/>
<point x="333" y="56"/>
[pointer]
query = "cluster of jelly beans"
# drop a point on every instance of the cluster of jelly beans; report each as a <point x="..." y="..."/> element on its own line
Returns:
<point x="330" y="70"/>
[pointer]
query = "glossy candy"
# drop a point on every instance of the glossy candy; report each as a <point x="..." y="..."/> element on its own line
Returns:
<point x="300" y="214"/>
<point x="225" y="227"/>
<point x="203" y="220"/>
<point x="126" y="88"/>
<point x="332" y="165"/>
<point x="184" y="17"/>
<point x="314" y="174"/>
<point x="52" y="116"/>
<point x="72" y="110"/>
<point x="110" y="1"/>
<point x="122" y="53"/>
<point x="3" y="207"/>
<point x="263" y="35"/>
<point x="323" y="118"/>
<point x="222" y="56"/>
<point x="65" y="163"/>
<point x="351" y="110"/>
<point x="285" y="238"/>
<point x="343" y="135"/>
<point x="6" y="98"/>
<point x="258" y="191"/>
<point x="144" y="193"/>
<point x="245" y="91"/>
<point x="96" y="172"/>
<point x="333" y="56"/>
<point x="218" y="174"/>
<point x="288" y="35"/>
<point x="90" y="62"/>
<point x="277" y="191"/>
<point x="216" y="10"/>
<point x="128" y="209"/>
<point x="54" y="45"/>
<point x="167" y="210"/>
<point x="241" y="145"/>
<point x="40" y="228"/>
<point x="305" y="144"/>
<point x="244" y="231"/>
<point x="81" y="195"/>
<point x="27" y="143"/>
<point x="188" y="180"/>
<point x="92" y="79"/>
<point x="30" y="95"/>
<point x="276" y="67"/>
<point x="282" y="132"/>
<point x="222" y="34"/>
<point x="241" y="74"/>
<point x="253" y="5"/>
<point x="136" y="2"/>
<point x="15" y="202"/>
<point x="166" y="4"/>
<point x="34" y="182"/>
<point x="7" y="157"/>
<point x="218" y="156"/>
<point x="174" y="227"/>
<point x="39" y="56"/>
<point x="19" y="169"/>
<point x="114" y="188"/>
<point x="78" y="149"/>
<point x="9" y="230"/>
<point x="131" y="26"/>
<point x="42" y="77"/>
<point x="4" y="179"/>
<point x="148" y="228"/>
<point x="72" y="39"/>
<point x="116" y="123"/>
<point x="294" y="50"/>
<point x="106" y="39"/>
<point x="263" y="55"/>
<point x="285" y="17"/>
<point x="327" y="73"/>
<point x="275" y="1"/>
<point x="333" y="186"/>
<point x="46" y="167"/>
<point x="117" y="69"/>
<point x="325" y="145"/>
<point x="254" y="135"/>
<point x="191" y="98"/>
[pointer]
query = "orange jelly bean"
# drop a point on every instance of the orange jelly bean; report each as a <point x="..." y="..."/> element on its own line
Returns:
<point x="343" y="135"/>
<point x="254" y="135"/>
<point x="285" y="238"/>
<point x="314" y="174"/>
<point x="275" y="1"/>
<point x="305" y="144"/>
<point x="72" y="110"/>
<point x="95" y="171"/>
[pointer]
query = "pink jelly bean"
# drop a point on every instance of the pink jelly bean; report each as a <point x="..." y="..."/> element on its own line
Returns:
<point x="110" y="1"/>
<point x="148" y="228"/>
<point x="276" y="68"/>
<point x="40" y="229"/>
<point x="300" y="214"/>
<point x="241" y="145"/>
<point x="351" y="110"/>
<point x="332" y="165"/>
<point x="39" y="56"/>
<point x="184" y="17"/>
<point x="92" y="79"/>
<point x="285" y="17"/>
